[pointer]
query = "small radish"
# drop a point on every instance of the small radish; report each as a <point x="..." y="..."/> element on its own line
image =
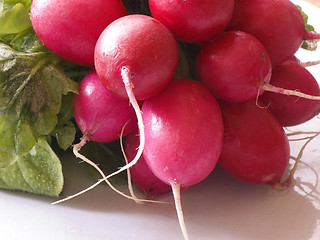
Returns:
<point x="102" y="117"/>
<point x="100" y="114"/>
<point x="291" y="110"/>
<point x="255" y="147"/>
<point x="236" y="68"/>
<point x="193" y="20"/>
<point x="278" y="24"/>
<point x="136" y="57"/>
<point x="71" y="28"/>
<point x="234" y="65"/>
<point x="142" y="45"/>
<point x="141" y="174"/>
<point x="184" y="134"/>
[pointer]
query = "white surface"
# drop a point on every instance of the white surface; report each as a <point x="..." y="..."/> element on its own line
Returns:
<point x="218" y="208"/>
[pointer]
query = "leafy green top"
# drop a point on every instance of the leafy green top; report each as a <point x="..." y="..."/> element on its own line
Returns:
<point x="34" y="93"/>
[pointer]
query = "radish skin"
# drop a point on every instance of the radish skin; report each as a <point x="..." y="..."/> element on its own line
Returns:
<point x="71" y="28"/>
<point x="184" y="133"/>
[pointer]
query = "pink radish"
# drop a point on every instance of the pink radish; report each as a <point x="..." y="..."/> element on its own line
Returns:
<point x="136" y="57"/>
<point x="291" y="110"/>
<point x="100" y="114"/>
<point x="142" y="45"/>
<point x="193" y="20"/>
<point x="236" y="68"/>
<point x="71" y="28"/>
<point x="141" y="174"/>
<point x="184" y="132"/>
<point x="255" y="147"/>
<point x="278" y="24"/>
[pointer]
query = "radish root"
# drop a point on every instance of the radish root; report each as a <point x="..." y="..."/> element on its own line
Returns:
<point x="285" y="185"/>
<point x="126" y="76"/>
<point x="310" y="64"/>
<point x="76" y="149"/>
<point x="177" y="200"/>
<point x="130" y="187"/>
<point x="271" y="88"/>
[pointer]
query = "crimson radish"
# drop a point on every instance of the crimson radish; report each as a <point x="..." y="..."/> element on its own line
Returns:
<point x="102" y="117"/>
<point x="136" y="57"/>
<point x="71" y="28"/>
<point x="141" y="174"/>
<point x="291" y="110"/>
<point x="234" y="65"/>
<point x="236" y="68"/>
<point x="278" y="24"/>
<point x="193" y="20"/>
<point x="100" y="114"/>
<point x="255" y="147"/>
<point x="184" y="132"/>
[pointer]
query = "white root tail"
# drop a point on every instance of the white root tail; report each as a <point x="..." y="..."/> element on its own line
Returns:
<point x="177" y="200"/>
<point x="76" y="149"/>
<point x="271" y="88"/>
<point x="126" y="77"/>
<point x="310" y="63"/>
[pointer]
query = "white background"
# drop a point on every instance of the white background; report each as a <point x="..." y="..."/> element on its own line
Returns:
<point x="218" y="208"/>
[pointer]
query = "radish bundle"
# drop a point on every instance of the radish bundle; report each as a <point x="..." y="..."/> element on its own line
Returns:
<point x="185" y="85"/>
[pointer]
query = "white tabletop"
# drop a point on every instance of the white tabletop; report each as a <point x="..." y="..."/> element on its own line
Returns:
<point x="219" y="208"/>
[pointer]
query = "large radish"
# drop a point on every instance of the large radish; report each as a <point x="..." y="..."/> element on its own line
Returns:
<point x="184" y="133"/>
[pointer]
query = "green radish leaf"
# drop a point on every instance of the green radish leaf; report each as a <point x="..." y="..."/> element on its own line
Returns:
<point x="14" y="16"/>
<point x="30" y="99"/>
<point x="39" y="171"/>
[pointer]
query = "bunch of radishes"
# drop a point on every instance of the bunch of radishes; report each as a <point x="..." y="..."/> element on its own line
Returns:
<point x="232" y="111"/>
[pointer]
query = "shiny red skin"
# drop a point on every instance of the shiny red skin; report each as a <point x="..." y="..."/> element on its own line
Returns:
<point x="291" y="110"/>
<point x="100" y="114"/>
<point x="193" y="20"/>
<point x="278" y="24"/>
<point x="144" y="46"/>
<point x="71" y="28"/>
<point x="184" y="132"/>
<point x="255" y="147"/>
<point x="233" y="66"/>
<point x="141" y="174"/>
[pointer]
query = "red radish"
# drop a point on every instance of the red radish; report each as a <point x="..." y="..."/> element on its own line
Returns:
<point x="291" y="110"/>
<point x="184" y="134"/>
<point x="100" y="114"/>
<point x="193" y="20"/>
<point x="136" y="57"/>
<point x="141" y="174"/>
<point x="278" y="24"/>
<point x="71" y="28"/>
<point x="255" y="147"/>
<point x="102" y="117"/>
<point x="142" y="45"/>
<point x="234" y="66"/>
